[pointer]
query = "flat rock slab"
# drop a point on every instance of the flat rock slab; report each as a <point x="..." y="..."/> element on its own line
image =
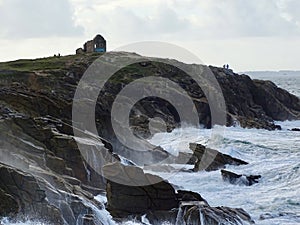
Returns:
<point x="210" y="159"/>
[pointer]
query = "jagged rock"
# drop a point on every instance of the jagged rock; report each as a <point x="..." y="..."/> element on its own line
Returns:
<point x="239" y="179"/>
<point x="190" y="196"/>
<point x="295" y="129"/>
<point x="210" y="159"/>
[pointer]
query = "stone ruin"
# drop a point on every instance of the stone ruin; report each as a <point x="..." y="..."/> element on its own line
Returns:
<point x="98" y="44"/>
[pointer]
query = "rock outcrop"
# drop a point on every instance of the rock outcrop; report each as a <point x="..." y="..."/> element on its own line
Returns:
<point x="210" y="159"/>
<point x="239" y="179"/>
<point x="256" y="103"/>
<point x="295" y="129"/>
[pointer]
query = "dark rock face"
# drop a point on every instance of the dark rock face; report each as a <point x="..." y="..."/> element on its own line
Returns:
<point x="210" y="159"/>
<point x="53" y="150"/>
<point x="124" y="200"/>
<point x="24" y="195"/>
<point x="276" y="102"/>
<point x="47" y="177"/>
<point x="239" y="179"/>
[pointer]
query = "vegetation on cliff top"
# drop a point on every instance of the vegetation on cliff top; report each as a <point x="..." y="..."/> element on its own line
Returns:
<point x="47" y="63"/>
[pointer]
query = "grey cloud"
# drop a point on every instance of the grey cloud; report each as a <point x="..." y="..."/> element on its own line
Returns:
<point x="214" y="20"/>
<point x="168" y="21"/>
<point x="259" y="18"/>
<point x="239" y="18"/>
<point x="126" y="23"/>
<point x="36" y="18"/>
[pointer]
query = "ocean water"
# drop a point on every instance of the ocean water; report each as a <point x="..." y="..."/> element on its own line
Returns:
<point x="275" y="155"/>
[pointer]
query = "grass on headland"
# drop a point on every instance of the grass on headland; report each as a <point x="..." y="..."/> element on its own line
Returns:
<point x="48" y="63"/>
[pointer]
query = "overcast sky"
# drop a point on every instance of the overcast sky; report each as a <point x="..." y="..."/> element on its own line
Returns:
<point x="247" y="34"/>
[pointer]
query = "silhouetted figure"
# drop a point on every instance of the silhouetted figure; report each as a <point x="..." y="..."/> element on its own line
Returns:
<point x="227" y="66"/>
<point x="224" y="66"/>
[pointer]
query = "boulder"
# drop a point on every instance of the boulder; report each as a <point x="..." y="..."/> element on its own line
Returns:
<point x="210" y="159"/>
<point x="131" y="191"/>
<point x="239" y="179"/>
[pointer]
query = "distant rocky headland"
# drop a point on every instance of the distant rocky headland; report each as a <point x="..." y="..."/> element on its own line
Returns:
<point x="44" y="176"/>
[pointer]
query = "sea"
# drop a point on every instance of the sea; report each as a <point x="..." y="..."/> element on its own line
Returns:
<point x="275" y="155"/>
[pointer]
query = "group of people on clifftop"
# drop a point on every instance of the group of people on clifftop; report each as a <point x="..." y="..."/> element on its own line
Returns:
<point x="226" y="66"/>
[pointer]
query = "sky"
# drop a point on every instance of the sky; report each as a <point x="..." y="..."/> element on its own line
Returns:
<point x="246" y="34"/>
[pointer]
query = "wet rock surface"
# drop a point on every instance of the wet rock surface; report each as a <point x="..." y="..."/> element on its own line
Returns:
<point x="193" y="213"/>
<point x="239" y="179"/>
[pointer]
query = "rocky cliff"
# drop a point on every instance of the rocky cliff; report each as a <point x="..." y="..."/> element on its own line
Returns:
<point x="43" y="172"/>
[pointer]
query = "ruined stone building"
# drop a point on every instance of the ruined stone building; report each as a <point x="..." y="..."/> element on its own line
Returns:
<point x="98" y="44"/>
